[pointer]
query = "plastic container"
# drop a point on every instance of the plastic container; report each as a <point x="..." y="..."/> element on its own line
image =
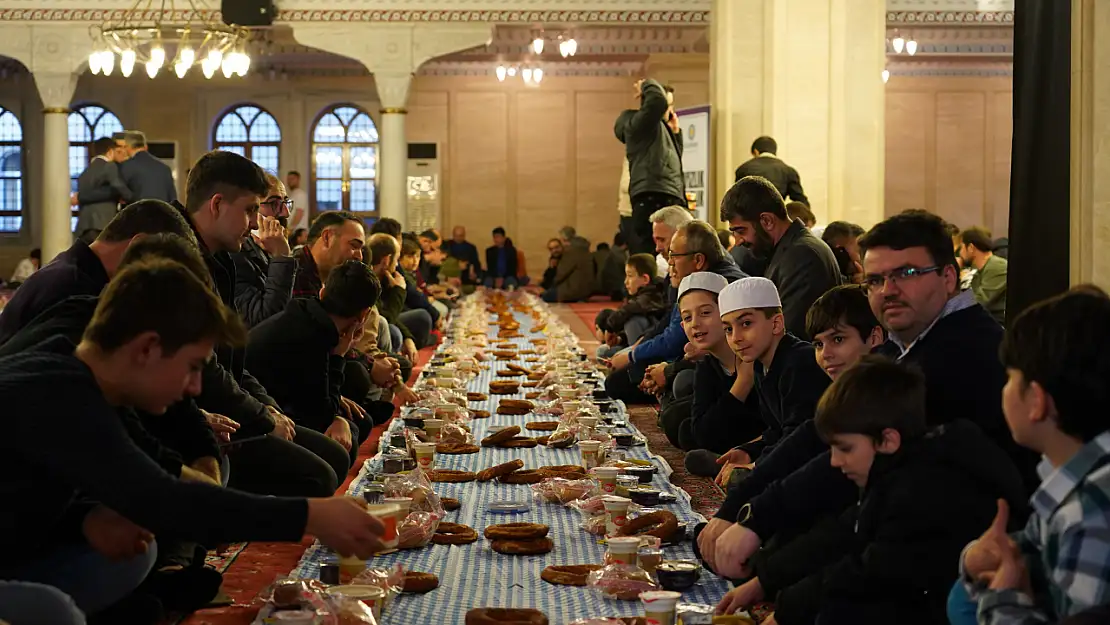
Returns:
<point x="370" y="596"/>
<point x="616" y="513"/>
<point x="433" y="427"/>
<point x="508" y="507"/>
<point x="607" y="476"/>
<point x="386" y="513"/>
<point x="623" y="550"/>
<point x="425" y="455"/>
<point x="590" y="450"/>
<point x="659" y="606"/>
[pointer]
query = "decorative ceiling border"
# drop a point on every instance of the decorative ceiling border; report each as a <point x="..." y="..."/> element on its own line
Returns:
<point x="382" y="16"/>
<point x="950" y="17"/>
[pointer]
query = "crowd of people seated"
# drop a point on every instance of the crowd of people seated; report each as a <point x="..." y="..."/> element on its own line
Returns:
<point x="882" y="462"/>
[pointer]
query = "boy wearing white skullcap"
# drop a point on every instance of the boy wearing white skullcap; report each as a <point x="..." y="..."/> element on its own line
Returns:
<point x="788" y="380"/>
<point x="720" y="415"/>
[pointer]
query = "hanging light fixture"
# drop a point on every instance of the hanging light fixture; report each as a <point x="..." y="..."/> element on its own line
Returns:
<point x="537" y="45"/>
<point x="886" y="75"/>
<point x="568" y="47"/>
<point x="135" y="38"/>
<point x="911" y="47"/>
<point x="512" y="72"/>
<point x="502" y="72"/>
<point x="898" y="44"/>
<point x="526" y="74"/>
<point x="537" y="75"/>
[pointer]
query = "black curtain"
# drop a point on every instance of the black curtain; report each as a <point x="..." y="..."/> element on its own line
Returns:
<point x="1040" y="171"/>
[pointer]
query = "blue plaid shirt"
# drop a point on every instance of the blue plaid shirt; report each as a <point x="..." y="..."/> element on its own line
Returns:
<point x="1066" y="545"/>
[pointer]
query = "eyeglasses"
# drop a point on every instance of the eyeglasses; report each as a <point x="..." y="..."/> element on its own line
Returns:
<point x="276" y="204"/>
<point x="877" y="281"/>
<point x="671" y="254"/>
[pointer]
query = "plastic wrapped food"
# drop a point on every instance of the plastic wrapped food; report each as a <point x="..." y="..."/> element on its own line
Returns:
<point x="621" y="581"/>
<point x="417" y="530"/>
<point x="455" y="433"/>
<point x="392" y="581"/>
<point x="415" y="484"/>
<point x="559" y="490"/>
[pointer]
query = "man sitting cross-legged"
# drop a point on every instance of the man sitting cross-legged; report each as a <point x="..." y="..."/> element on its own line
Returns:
<point x="154" y="327"/>
<point x="298" y="353"/>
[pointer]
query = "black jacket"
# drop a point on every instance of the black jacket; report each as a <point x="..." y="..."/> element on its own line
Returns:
<point x="650" y="301"/>
<point x="239" y="396"/>
<point x="802" y="267"/>
<point x="415" y="298"/>
<point x="788" y="393"/>
<point x="76" y="271"/>
<point x="180" y="436"/>
<point x="718" y="421"/>
<point x="972" y="334"/>
<point x="88" y="451"/>
<point x="610" y="275"/>
<point x="262" y="284"/>
<point x="783" y="176"/>
<point x="654" y="152"/>
<point x="890" y="557"/>
<point x="291" y="354"/>
<point x="510" y="261"/>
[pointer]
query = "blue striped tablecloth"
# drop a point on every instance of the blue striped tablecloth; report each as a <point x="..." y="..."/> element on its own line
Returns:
<point x="474" y="575"/>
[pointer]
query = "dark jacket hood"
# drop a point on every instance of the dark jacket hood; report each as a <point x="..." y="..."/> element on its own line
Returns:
<point x="728" y="269"/>
<point x="620" y="128"/>
<point x="961" y="448"/>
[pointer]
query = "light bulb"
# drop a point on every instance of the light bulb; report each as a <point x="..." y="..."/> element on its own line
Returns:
<point x="244" y="63"/>
<point x="126" y="62"/>
<point x="572" y="46"/>
<point x="911" y="47"/>
<point x="512" y="72"/>
<point x="537" y="75"/>
<point x="886" y="75"/>
<point x="180" y="69"/>
<point x="501" y="73"/>
<point x="157" y="56"/>
<point x="208" y="68"/>
<point x="94" y="62"/>
<point x="526" y="74"/>
<point x="898" y="44"/>
<point x="537" y="45"/>
<point x="563" y="49"/>
<point x="107" y="62"/>
<point x="186" y="56"/>
<point x="152" y="68"/>
<point x="227" y="67"/>
<point x="215" y="56"/>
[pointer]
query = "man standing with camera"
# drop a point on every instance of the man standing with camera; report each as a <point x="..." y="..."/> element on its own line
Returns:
<point x="652" y="142"/>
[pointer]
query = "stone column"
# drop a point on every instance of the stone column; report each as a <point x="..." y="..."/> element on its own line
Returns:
<point x="1090" y="124"/>
<point x="808" y="73"/>
<point x="393" y="89"/>
<point x="54" y="213"/>
<point x="393" y="53"/>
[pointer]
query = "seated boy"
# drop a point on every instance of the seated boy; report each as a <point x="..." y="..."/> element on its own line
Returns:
<point x="299" y="354"/>
<point x="415" y="298"/>
<point x="1058" y="365"/>
<point x="844" y="330"/>
<point x="612" y="339"/>
<point x="887" y="559"/>
<point x="154" y="327"/>
<point x="647" y="299"/>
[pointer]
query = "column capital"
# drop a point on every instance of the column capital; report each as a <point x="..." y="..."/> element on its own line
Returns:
<point x="393" y="90"/>
<point x="56" y="90"/>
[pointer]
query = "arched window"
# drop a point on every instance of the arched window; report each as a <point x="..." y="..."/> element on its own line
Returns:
<point x="87" y="123"/>
<point x="250" y="131"/>
<point x="11" y="172"/>
<point x="345" y="160"/>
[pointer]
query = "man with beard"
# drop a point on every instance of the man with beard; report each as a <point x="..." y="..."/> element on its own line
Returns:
<point x="264" y="267"/>
<point x="801" y="265"/>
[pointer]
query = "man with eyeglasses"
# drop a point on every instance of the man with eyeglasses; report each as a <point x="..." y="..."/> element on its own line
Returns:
<point x="799" y="263"/>
<point x="265" y="267"/>
<point x="911" y="278"/>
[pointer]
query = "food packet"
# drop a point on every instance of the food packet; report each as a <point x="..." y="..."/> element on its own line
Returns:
<point x="564" y="491"/>
<point x="391" y="580"/>
<point x="415" y="484"/>
<point x="561" y="438"/>
<point x="620" y="581"/>
<point x="595" y="524"/>
<point x="350" y="611"/>
<point x="417" y="530"/>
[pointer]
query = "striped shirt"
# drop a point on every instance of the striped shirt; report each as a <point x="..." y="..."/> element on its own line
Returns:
<point x="1066" y="545"/>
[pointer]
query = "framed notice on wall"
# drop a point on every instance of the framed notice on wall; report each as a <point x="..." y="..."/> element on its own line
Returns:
<point x="695" y="157"/>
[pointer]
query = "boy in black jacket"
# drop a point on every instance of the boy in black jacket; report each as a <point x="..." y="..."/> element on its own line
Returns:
<point x="887" y="559"/>
<point x="298" y="353"/>
<point x="647" y="299"/>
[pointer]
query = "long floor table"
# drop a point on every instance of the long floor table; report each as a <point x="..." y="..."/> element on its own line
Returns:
<point x="474" y="575"/>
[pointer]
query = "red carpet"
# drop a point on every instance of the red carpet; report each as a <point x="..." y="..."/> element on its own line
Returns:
<point x="262" y="563"/>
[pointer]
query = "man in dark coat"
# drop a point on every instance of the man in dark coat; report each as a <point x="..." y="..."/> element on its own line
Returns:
<point x="801" y="265"/>
<point x="100" y="189"/>
<point x="652" y="142"/>
<point x="144" y="174"/>
<point x="766" y="164"/>
<point x="265" y="267"/>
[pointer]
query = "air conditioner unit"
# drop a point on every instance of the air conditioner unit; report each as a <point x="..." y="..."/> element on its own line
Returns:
<point x="422" y="189"/>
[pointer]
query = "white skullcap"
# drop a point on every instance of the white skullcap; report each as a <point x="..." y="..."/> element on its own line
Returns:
<point x="704" y="281"/>
<point x="749" y="293"/>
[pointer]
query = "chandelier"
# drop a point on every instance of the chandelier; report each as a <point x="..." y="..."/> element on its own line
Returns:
<point x="152" y="33"/>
